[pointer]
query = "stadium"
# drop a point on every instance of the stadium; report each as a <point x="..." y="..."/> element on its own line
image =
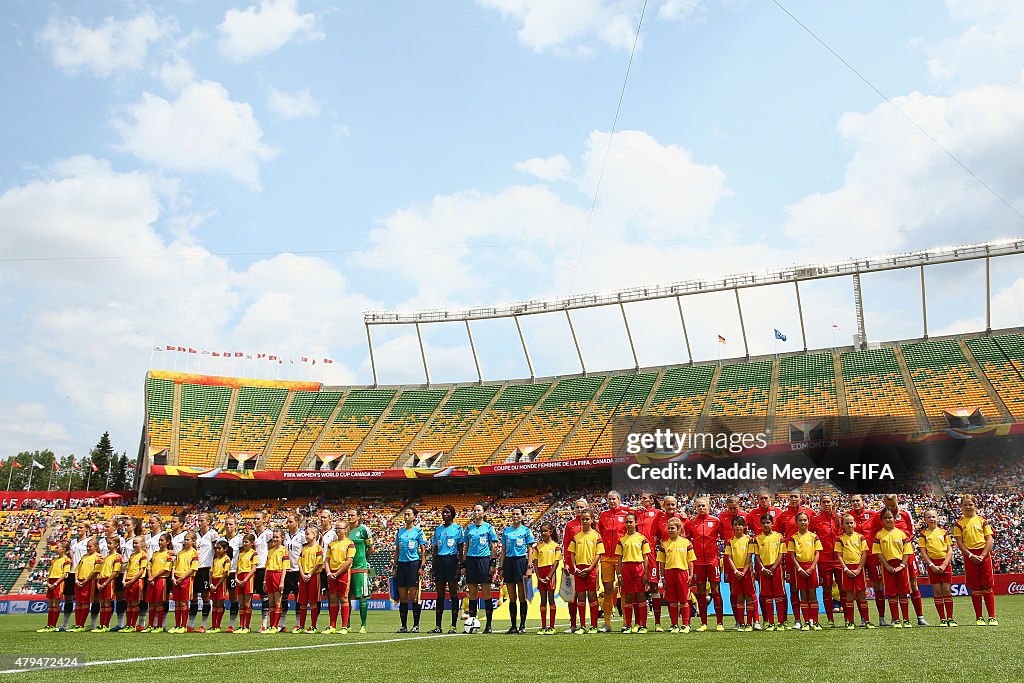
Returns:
<point x="755" y="410"/>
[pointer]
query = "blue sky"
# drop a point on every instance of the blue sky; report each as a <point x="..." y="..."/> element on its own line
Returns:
<point x="263" y="172"/>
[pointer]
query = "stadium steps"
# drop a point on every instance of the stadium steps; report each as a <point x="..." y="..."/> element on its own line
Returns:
<point x="404" y="455"/>
<point x="306" y="420"/>
<point x="773" y="397"/>
<point x="639" y="420"/>
<point x="159" y="412"/>
<point x="876" y="393"/>
<point x="225" y="436"/>
<point x="397" y="427"/>
<point x="557" y="453"/>
<point x="473" y="425"/>
<point x="309" y="459"/>
<point x="705" y="410"/>
<point x="40" y="551"/>
<point x="844" y="415"/>
<point x="908" y="382"/>
<point x="454" y="417"/>
<point x="740" y="400"/>
<point x="1004" y="411"/>
<point x="282" y="415"/>
<point x="526" y="418"/>
<point x="1002" y="359"/>
<point x="805" y="386"/>
<point x="172" y="457"/>
<point x="558" y="414"/>
<point x="373" y="430"/>
<point x="944" y="379"/>
<point x="602" y="432"/>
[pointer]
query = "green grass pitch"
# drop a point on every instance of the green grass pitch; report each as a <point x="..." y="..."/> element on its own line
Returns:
<point x="969" y="652"/>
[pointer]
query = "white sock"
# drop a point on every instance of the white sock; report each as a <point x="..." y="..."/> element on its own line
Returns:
<point x="67" y="618"/>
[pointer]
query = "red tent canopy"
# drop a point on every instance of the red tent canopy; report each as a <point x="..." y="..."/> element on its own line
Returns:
<point x="110" y="496"/>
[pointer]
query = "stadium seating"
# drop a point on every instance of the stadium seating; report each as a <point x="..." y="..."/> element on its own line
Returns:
<point x="159" y="411"/>
<point x="254" y="419"/>
<point x="741" y="397"/>
<point x="944" y="380"/>
<point x="1002" y="360"/>
<point x="602" y="431"/>
<point x="556" y="415"/>
<point x="806" y="389"/>
<point x="355" y="419"/>
<point x="203" y="411"/>
<point x="508" y="411"/>
<point x="876" y="397"/>
<point x="682" y="394"/>
<point x="455" y="416"/>
<point x="305" y="420"/>
<point x="398" y="428"/>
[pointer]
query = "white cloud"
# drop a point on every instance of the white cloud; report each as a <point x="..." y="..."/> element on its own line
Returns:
<point x="257" y="31"/>
<point x="571" y="24"/>
<point x="679" y="10"/>
<point x="296" y="105"/>
<point x="899" y="186"/>
<point x="90" y="325"/>
<point x="204" y="130"/>
<point x="551" y="168"/>
<point x="112" y="46"/>
<point x="176" y="74"/>
<point x="990" y="49"/>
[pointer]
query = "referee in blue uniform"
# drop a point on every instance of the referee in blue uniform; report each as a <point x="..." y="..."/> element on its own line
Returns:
<point x="409" y="546"/>
<point x="447" y="545"/>
<point x="516" y="566"/>
<point x="481" y="542"/>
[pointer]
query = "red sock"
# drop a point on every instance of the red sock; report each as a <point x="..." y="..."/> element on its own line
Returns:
<point x="332" y="610"/>
<point x="976" y="599"/>
<point x="780" y="607"/>
<point x="718" y="607"/>
<point x="904" y="609"/>
<point x="751" y="612"/>
<point x="581" y="612"/>
<point x="302" y="617"/>
<point x="686" y="613"/>
<point x="769" y="610"/>
<point x="940" y="607"/>
<point x="543" y="617"/>
<point x="736" y="609"/>
<point x="826" y="596"/>
<point x="894" y="609"/>
<point x="702" y="606"/>
<point x="880" y="605"/>
<point x="673" y="613"/>
<point x="105" y="612"/>
<point x="656" y="605"/>
<point x="794" y="599"/>
<point x="918" y="605"/>
<point x="572" y="618"/>
<point x="990" y="603"/>
<point x="218" y="614"/>
<point x="848" y="609"/>
<point x="641" y="607"/>
<point x="627" y="613"/>
<point x="552" y="610"/>
<point x="314" y="613"/>
<point x="949" y="607"/>
<point x="863" y="605"/>
<point x="346" y="612"/>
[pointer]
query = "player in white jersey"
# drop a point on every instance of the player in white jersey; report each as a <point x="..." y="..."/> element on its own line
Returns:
<point x="294" y="539"/>
<point x="112" y="542"/>
<point x="156" y="528"/>
<point x="205" y="538"/>
<point x="178" y="532"/>
<point x="327" y="536"/>
<point x="234" y="541"/>
<point x="262" y="534"/>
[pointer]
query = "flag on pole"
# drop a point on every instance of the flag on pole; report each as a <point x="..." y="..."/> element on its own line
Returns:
<point x="835" y="326"/>
<point x="93" y="466"/>
<point x="15" y="464"/>
<point x="721" y="339"/>
<point x="779" y="335"/>
<point x="157" y="348"/>
<point x="328" y="360"/>
<point x="238" y="354"/>
<point x="37" y="465"/>
<point x="191" y="350"/>
<point x="169" y="348"/>
<point x="74" y="463"/>
<point x="55" y="466"/>
<point x="181" y="348"/>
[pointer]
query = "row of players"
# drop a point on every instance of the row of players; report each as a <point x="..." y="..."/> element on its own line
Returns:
<point x="769" y="547"/>
<point x="200" y="569"/>
<point x="658" y="553"/>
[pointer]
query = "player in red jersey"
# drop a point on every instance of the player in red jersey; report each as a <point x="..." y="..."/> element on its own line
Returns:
<point x="827" y="527"/>
<point x="704" y="531"/>
<point x="764" y="507"/>
<point x="611" y="524"/>
<point x="573" y="527"/>
<point x="785" y="524"/>
<point x="905" y="523"/>
<point x="754" y="517"/>
<point x="732" y="512"/>
<point x="872" y="570"/>
<point x="650" y="519"/>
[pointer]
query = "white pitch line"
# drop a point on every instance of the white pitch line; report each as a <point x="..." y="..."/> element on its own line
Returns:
<point x="136" y="660"/>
